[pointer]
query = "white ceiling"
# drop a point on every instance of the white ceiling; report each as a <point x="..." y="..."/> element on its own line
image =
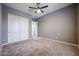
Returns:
<point x="23" y="7"/>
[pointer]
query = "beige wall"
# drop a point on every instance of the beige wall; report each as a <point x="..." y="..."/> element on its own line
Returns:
<point x="60" y="25"/>
<point x="78" y="23"/>
<point x="0" y="21"/>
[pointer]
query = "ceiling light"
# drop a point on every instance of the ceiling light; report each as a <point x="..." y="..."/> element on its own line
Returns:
<point x="38" y="10"/>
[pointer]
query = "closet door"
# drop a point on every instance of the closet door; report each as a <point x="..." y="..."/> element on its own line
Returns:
<point x="13" y="28"/>
<point x="24" y="28"/>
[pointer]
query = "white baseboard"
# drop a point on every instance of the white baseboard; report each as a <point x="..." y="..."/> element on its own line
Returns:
<point x="14" y="42"/>
<point x="49" y="39"/>
<point x="64" y="42"/>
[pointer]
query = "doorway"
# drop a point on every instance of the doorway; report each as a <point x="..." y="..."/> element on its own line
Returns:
<point x="34" y="29"/>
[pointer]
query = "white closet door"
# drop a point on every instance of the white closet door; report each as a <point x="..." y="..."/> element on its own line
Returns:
<point x="13" y="28"/>
<point x="24" y="28"/>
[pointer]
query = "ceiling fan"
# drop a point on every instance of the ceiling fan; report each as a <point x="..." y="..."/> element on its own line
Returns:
<point x="38" y="8"/>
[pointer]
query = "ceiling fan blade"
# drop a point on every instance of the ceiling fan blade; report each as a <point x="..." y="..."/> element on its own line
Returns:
<point x="33" y="7"/>
<point x="44" y="7"/>
<point x="35" y="12"/>
<point x="42" y="11"/>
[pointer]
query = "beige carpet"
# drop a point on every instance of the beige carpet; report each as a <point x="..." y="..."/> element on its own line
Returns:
<point x="39" y="47"/>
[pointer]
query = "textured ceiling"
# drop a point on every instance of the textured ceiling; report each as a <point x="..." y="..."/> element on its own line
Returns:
<point x="23" y="7"/>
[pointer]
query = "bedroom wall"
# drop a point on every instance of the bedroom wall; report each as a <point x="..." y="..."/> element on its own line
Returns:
<point x="78" y="23"/>
<point x="0" y="21"/>
<point x="60" y="25"/>
<point x="5" y="11"/>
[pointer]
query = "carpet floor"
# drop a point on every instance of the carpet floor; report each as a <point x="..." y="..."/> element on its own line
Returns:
<point x="39" y="47"/>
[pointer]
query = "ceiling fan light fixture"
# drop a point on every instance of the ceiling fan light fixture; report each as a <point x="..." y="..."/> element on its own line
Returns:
<point x="38" y="10"/>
